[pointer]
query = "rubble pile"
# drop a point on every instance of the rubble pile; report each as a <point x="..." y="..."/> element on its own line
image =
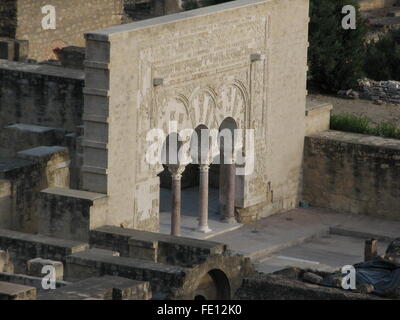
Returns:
<point x="380" y="90"/>
<point x="377" y="91"/>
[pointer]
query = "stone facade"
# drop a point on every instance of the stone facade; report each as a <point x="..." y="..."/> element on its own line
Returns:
<point x="206" y="59"/>
<point x="354" y="173"/>
<point x="73" y="19"/>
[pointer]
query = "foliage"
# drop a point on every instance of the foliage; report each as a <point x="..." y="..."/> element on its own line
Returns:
<point x="361" y="124"/>
<point x="382" y="60"/>
<point x="336" y="55"/>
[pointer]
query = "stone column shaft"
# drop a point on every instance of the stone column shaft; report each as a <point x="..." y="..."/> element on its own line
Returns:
<point x="176" y="174"/>
<point x="203" y="199"/>
<point x="230" y="193"/>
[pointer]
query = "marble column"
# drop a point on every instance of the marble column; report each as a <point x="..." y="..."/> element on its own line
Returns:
<point x="176" y="174"/>
<point x="203" y="199"/>
<point x="230" y="171"/>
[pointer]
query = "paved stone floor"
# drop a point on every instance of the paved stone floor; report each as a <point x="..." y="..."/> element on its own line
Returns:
<point x="309" y="238"/>
<point x="189" y="210"/>
<point x="312" y="238"/>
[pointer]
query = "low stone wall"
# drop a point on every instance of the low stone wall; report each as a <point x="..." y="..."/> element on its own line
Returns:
<point x="164" y="279"/>
<point x="71" y="214"/>
<point x="352" y="173"/>
<point x="23" y="247"/>
<point x="28" y="280"/>
<point x="318" y="115"/>
<point x="155" y="247"/>
<point x="218" y="277"/>
<point x="40" y="95"/>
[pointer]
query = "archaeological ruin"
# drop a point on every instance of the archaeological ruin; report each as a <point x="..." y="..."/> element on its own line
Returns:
<point x="82" y="106"/>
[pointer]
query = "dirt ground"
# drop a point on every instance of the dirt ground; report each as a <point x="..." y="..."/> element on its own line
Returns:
<point x="386" y="112"/>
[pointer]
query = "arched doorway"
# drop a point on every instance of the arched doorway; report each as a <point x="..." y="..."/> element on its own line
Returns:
<point x="214" y="285"/>
<point x="226" y="168"/>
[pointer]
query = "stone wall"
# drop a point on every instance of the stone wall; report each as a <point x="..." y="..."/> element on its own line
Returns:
<point x="353" y="173"/>
<point x="73" y="19"/>
<point x="22" y="180"/>
<point x="40" y="95"/>
<point x="8" y="18"/>
<point x="23" y="247"/>
<point x="71" y="214"/>
<point x="244" y="59"/>
<point x="154" y="247"/>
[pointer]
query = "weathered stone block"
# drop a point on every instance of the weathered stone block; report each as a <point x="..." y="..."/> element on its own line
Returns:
<point x="12" y="291"/>
<point x="35" y="267"/>
<point x="71" y="214"/>
<point x="147" y="250"/>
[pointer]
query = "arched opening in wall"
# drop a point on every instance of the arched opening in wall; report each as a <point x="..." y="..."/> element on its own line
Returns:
<point x="169" y="156"/>
<point x="214" y="285"/>
<point x="193" y="187"/>
<point x="219" y="170"/>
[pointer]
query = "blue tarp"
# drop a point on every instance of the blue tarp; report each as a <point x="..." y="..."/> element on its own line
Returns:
<point x="383" y="274"/>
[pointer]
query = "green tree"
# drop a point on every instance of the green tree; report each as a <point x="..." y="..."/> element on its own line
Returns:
<point x="383" y="57"/>
<point x="335" y="56"/>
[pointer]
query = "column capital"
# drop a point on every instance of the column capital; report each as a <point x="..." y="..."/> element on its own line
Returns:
<point x="204" y="167"/>
<point x="176" y="171"/>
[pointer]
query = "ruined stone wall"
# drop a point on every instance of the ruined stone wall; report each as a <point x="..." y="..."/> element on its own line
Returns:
<point x="26" y="176"/>
<point x="40" y="95"/>
<point x="73" y="19"/>
<point x="205" y="59"/>
<point x="23" y="247"/>
<point x="8" y="18"/>
<point x="353" y="173"/>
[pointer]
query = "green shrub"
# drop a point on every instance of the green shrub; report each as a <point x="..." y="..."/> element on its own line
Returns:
<point x="382" y="61"/>
<point x="361" y="124"/>
<point x="350" y="123"/>
<point x="387" y="130"/>
<point x="335" y="55"/>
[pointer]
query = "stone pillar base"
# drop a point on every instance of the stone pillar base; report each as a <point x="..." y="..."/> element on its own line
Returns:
<point x="203" y="229"/>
